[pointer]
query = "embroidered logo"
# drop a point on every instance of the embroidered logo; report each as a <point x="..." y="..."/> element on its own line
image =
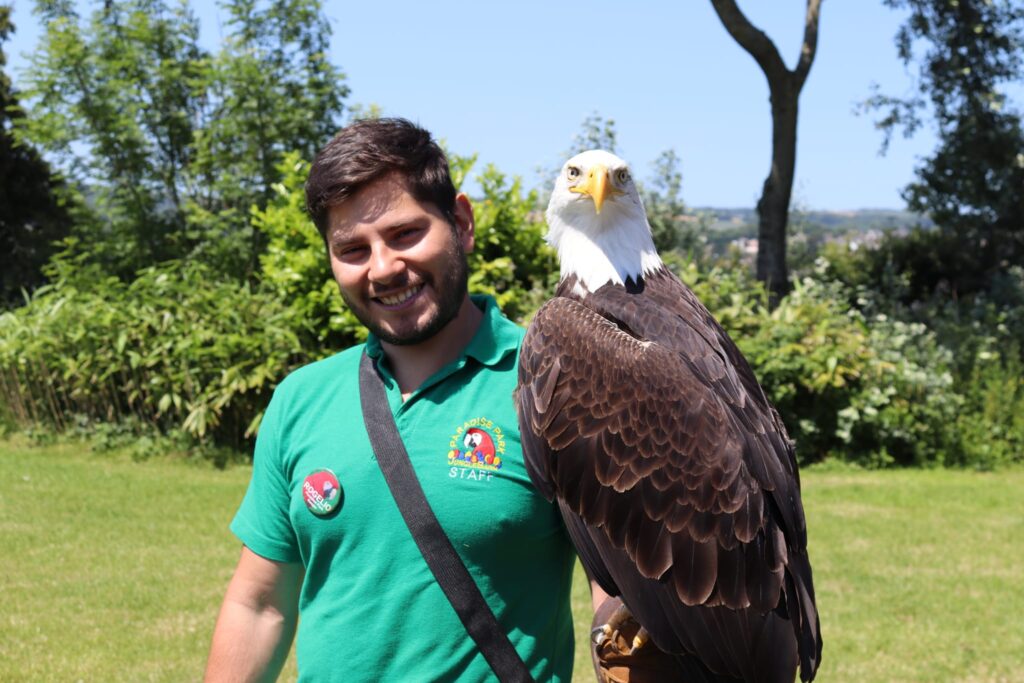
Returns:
<point x="321" y="492"/>
<point x="476" y="449"/>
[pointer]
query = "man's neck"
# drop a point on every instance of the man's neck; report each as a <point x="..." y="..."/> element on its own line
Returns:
<point x="411" y="365"/>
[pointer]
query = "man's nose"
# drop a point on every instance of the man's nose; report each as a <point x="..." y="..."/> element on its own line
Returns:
<point x="385" y="264"/>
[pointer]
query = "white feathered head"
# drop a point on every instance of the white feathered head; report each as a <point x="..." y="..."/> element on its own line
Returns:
<point x="597" y="222"/>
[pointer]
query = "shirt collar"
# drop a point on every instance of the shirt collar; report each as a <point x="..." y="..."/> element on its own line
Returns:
<point x="496" y="337"/>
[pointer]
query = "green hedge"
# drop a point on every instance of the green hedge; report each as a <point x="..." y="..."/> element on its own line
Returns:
<point x="180" y="351"/>
<point x="176" y="349"/>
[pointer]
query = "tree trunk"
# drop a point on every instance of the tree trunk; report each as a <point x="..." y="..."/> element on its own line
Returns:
<point x="773" y="207"/>
<point x="784" y="86"/>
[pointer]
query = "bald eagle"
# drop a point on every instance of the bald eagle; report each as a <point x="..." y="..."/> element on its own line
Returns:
<point x="674" y="474"/>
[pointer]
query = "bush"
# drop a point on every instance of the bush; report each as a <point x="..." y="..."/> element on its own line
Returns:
<point x="860" y="370"/>
<point x="295" y="269"/>
<point x="176" y="349"/>
<point x="981" y="332"/>
<point x="511" y="260"/>
<point x="181" y="356"/>
<point x="991" y="426"/>
<point x="872" y="391"/>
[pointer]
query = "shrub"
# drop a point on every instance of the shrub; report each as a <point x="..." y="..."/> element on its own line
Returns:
<point x="180" y="352"/>
<point x="869" y="390"/>
<point x="182" y="356"/>
<point x="295" y="268"/>
<point x="511" y="260"/>
<point x="905" y="406"/>
<point x="176" y="349"/>
<point x="991" y="427"/>
<point x="980" y="330"/>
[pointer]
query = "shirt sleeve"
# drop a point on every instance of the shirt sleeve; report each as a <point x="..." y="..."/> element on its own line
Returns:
<point x="262" y="522"/>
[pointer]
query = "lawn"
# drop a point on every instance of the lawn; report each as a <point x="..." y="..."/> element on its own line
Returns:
<point x="113" y="570"/>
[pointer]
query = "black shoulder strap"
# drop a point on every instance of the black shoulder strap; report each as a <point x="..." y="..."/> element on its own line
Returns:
<point x="437" y="549"/>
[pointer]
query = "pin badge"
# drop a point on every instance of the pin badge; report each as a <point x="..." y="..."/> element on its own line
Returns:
<point x="321" y="492"/>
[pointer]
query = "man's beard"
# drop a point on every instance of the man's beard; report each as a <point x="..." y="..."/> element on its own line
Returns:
<point x="451" y="291"/>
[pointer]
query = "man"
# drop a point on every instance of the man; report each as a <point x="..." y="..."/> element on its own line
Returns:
<point x="322" y="535"/>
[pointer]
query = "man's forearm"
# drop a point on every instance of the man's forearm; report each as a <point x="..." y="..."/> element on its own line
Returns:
<point x="597" y="595"/>
<point x="257" y="621"/>
<point x="249" y="644"/>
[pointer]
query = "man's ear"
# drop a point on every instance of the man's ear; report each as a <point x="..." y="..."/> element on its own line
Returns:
<point x="465" y="226"/>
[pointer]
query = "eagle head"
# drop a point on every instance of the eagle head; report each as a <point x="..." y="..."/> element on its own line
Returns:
<point x="597" y="222"/>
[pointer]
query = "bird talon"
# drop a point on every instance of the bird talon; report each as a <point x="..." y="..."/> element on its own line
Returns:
<point x="639" y="640"/>
<point x="619" y="617"/>
<point x="600" y="634"/>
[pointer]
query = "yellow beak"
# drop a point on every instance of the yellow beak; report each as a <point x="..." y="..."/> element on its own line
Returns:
<point x="597" y="185"/>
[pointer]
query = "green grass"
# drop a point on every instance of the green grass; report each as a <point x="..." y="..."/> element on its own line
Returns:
<point x="113" y="570"/>
<point x="919" y="574"/>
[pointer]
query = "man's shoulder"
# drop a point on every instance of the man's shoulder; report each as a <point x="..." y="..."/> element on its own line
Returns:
<point x="498" y="339"/>
<point x="341" y="367"/>
<point x="509" y="327"/>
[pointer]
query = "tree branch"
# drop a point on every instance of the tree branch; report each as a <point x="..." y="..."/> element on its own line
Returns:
<point x="810" y="45"/>
<point x="754" y="40"/>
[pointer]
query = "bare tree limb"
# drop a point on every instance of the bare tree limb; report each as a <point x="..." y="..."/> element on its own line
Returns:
<point x="752" y="39"/>
<point x="810" y="44"/>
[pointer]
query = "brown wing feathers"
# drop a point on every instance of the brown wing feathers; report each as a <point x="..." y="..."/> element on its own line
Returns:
<point x="639" y="417"/>
<point x="669" y="453"/>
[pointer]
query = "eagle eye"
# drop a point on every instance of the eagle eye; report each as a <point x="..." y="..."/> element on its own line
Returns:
<point x="572" y="173"/>
<point x="622" y="176"/>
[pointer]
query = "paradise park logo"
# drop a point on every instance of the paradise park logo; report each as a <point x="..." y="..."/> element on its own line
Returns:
<point x="478" y="444"/>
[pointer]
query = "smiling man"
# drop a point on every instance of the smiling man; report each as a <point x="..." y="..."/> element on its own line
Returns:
<point x="322" y="536"/>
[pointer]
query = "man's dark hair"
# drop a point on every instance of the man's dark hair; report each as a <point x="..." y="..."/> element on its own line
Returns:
<point x="370" y="149"/>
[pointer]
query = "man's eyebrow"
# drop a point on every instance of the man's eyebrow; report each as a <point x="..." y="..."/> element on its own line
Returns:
<point x="341" y="238"/>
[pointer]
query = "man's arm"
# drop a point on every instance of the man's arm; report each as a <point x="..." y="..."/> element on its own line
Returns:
<point x="257" y="620"/>
<point x="597" y="594"/>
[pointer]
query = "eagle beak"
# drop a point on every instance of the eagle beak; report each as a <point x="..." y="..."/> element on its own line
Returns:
<point x="597" y="185"/>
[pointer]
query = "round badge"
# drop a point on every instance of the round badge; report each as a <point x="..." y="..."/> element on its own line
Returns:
<point x="321" y="492"/>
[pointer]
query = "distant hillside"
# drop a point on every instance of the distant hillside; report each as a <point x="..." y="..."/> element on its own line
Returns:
<point x="744" y="221"/>
<point x="809" y="230"/>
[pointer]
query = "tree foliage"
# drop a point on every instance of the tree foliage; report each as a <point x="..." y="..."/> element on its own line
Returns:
<point x="194" y="281"/>
<point x="511" y="260"/>
<point x="673" y="227"/>
<point x="596" y="132"/>
<point x="31" y="217"/>
<point x="272" y="90"/>
<point x="170" y="145"/>
<point x="966" y="53"/>
<point x="110" y="100"/>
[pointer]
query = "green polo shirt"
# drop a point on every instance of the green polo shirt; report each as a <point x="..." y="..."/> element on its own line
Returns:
<point x="370" y="610"/>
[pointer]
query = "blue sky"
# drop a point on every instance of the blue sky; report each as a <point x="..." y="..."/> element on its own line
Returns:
<point x="514" y="81"/>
